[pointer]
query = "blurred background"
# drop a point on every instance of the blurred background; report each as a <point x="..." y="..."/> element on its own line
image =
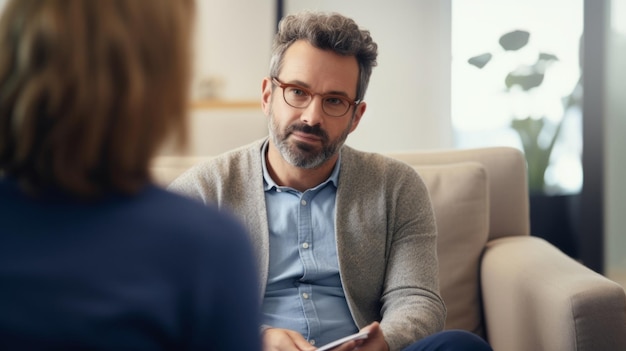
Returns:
<point x="544" y="76"/>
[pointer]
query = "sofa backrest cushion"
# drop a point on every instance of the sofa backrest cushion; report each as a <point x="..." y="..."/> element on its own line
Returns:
<point x="459" y="193"/>
<point x="167" y="168"/>
<point x="508" y="190"/>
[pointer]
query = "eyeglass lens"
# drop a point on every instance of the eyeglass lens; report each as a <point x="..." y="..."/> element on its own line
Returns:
<point x="299" y="97"/>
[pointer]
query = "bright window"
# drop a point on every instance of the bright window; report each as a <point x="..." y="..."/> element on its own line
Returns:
<point x="485" y="110"/>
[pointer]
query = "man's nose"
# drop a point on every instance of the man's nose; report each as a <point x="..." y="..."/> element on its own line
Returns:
<point x="314" y="113"/>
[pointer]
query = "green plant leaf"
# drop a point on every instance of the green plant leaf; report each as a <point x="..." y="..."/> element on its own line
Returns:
<point x="547" y="57"/>
<point x="481" y="60"/>
<point x="537" y="157"/>
<point x="514" y="40"/>
<point x="525" y="81"/>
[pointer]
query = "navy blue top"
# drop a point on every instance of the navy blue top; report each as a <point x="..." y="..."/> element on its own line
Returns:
<point x="154" y="271"/>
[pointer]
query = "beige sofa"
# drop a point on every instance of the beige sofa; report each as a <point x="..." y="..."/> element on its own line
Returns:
<point x="516" y="290"/>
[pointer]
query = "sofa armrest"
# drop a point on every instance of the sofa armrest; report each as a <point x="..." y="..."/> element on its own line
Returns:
<point x="537" y="298"/>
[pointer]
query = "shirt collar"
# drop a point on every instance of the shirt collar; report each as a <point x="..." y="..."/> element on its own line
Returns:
<point x="268" y="182"/>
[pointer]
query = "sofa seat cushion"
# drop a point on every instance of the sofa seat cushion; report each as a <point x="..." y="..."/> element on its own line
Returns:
<point x="459" y="193"/>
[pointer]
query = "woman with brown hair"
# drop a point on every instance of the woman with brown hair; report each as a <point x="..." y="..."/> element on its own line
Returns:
<point x="92" y="254"/>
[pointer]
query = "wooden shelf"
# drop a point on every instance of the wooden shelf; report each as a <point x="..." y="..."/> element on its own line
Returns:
<point x="225" y="104"/>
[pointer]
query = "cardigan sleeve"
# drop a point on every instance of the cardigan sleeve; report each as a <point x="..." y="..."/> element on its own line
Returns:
<point x="387" y="242"/>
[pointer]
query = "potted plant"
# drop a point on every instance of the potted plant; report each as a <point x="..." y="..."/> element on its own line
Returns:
<point x="551" y="215"/>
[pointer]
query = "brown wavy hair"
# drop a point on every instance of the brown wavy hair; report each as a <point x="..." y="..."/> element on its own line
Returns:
<point x="90" y="90"/>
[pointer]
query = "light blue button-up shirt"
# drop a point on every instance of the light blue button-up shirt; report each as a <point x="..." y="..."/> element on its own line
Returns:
<point x="304" y="291"/>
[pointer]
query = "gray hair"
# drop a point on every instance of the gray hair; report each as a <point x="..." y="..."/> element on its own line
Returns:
<point x="327" y="31"/>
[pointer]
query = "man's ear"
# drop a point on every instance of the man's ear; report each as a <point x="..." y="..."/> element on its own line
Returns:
<point x="358" y="114"/>
<point x="266" y="95"/>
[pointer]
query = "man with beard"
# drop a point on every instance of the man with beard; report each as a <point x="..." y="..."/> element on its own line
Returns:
<point x="346" y="240"/>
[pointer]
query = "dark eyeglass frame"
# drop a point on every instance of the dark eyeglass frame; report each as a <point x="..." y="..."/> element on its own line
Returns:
<point x="310" y="94"/>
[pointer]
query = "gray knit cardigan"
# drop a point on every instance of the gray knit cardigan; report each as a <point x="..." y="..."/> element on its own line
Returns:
<point x="385" y="229"/>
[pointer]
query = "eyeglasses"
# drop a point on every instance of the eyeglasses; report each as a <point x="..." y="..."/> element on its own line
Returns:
<point x="297" y="96"/>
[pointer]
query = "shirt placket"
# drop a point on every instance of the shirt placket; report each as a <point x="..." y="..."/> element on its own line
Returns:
<point x="305" y="249"/>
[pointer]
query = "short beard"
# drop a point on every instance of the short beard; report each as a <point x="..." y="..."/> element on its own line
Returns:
<point x="302" y="155"/>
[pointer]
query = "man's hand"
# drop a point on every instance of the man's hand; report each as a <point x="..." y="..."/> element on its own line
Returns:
<point x="275" y="339"/>
<point x="375" y="341"/>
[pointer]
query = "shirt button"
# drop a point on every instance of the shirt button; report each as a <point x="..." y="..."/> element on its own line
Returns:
<point x="303" y="202"/>
<point x="305" y="295"/>
<point x="305" y="245"/>
<point x="312" y="342"/>
<point x="278" y="190"/>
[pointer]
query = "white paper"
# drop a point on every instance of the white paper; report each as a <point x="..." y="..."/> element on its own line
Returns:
<point x="357" y="336"/>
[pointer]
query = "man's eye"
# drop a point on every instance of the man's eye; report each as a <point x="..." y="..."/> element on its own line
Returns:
<point x="334" y="101"/>
<point x="298" y="92"/>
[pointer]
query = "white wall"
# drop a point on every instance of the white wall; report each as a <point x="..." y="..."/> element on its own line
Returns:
<point x="233" y="44"/>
